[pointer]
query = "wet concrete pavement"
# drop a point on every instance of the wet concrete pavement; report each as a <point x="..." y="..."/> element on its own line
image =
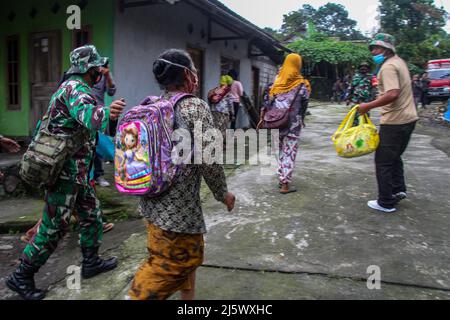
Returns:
<point x="314" y="244"/>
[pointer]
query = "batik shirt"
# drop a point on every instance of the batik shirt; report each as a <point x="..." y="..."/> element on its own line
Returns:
<point x="72" y="108"/>
<point x="286" y="101"/>
<point x="361" y="89"/>
<point x="224" y="106"/>
<point x="179" y="209"/>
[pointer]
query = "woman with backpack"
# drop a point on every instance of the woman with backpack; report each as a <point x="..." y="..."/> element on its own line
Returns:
<point x="175" y="220"/>
<point x="289" y="92"/>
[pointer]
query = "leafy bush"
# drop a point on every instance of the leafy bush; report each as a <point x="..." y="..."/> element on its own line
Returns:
<point x="318" y="48"/>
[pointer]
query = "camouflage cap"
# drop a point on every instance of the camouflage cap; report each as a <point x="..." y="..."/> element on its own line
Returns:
<point x="84" y="58"/>
<point x="383" y="40"/>
<point x="364" y="64"/>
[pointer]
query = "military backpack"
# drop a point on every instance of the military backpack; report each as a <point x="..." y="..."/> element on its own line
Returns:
<point x="47" y="153"/>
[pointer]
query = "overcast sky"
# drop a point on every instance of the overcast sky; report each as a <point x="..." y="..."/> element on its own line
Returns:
<point x="269" y="13"/>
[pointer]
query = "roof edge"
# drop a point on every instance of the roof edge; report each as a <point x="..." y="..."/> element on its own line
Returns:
<point x="263" y="34"/>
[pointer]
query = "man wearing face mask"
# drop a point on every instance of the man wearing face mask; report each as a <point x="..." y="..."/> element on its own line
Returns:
<point x="398" y="121"/>
<point x="72" y="108"/>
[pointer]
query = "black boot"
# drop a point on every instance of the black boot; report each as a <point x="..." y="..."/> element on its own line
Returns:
<point x="94" y="265"/>
<point x="22" y="282"/>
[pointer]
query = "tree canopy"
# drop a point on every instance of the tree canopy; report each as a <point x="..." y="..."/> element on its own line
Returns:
<point x="416" y="24"/>
<point x="418" y="28"/>
<point x="297" y="21"/>
<point x="411" y="20"/>
<point x="319" y="48"/>
<point x="331" y="19"/>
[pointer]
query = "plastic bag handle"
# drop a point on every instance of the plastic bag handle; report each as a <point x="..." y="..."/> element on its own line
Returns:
<point x="365" y="119"/>
<point x="348" y="120"/>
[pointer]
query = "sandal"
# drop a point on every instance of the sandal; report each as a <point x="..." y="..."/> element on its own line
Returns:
<point x="25" y="239"/>
<point x="291" y="190"/>
<point x="107" y="227"/>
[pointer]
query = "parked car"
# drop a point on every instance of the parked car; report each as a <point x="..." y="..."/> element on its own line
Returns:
<point x="439" y="74"/>
<point x="440" y="84"/>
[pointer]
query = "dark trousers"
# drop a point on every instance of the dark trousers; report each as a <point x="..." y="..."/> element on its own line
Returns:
<point x="98" y="167"/>
<point x="236" y="110"/>
<point x="424" y="99"/>
<point x="394" y="140"/>
<point x="112" y="129"/>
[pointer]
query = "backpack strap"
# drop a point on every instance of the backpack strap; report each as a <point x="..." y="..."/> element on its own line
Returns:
<point x="77" y="139"/>
<point x="180" y="96"/>
<point x="149" y="100"/>
<point x="291" y="108"/>
<point x="175" y="100"/>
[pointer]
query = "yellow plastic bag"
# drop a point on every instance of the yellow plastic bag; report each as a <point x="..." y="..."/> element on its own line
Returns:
<point x="350" y="141"/>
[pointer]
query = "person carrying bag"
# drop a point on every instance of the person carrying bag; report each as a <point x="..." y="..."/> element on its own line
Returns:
<point x="61" y="157"/>
<point x="278" y="118"/>
<point x="47" y="153"/>
<point x="284" y="106"/>
<point x="352" y="141"/>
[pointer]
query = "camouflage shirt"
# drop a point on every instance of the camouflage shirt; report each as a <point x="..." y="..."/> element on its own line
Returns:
<point x="361" y="89"/>
<point x="71" y="108"/>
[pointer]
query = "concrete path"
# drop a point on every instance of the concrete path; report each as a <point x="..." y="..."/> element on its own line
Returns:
<point x="327" y="230"/>
<point x="314" y="244"/>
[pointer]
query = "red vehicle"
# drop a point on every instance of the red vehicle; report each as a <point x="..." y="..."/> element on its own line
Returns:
<point x="439" y="74"/>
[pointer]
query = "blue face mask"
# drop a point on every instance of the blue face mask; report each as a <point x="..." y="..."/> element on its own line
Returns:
<point x="379" y="59"/>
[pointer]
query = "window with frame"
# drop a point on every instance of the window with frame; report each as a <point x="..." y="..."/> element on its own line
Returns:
<point x="13" y="73"/>
<point x="82" y="37"/>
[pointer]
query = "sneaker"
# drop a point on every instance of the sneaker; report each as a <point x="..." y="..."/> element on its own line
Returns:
<point x="400" y="196"/>
<point x="374" y="205"/>
<point x="102" y="182"/>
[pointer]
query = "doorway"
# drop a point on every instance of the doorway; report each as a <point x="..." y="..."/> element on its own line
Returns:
<point x="45" y="72"/>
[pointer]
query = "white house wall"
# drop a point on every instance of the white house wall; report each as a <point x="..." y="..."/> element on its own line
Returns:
<point x="268" y="71"/>
<point x="145" y="32"/>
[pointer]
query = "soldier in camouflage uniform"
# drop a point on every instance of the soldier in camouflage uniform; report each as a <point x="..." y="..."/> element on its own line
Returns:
<point x="72" y="108"/>
<point x="361" y="90"/>
<point x="361" y="86"/>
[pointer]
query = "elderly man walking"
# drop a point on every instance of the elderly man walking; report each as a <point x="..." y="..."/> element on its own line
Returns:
<point x="398" y="121"/>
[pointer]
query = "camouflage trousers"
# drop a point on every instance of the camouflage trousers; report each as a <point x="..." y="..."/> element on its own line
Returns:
<point x="60" y="203"/>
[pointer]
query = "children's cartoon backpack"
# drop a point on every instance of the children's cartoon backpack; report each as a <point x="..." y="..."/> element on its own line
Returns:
<point x="143" y="162"/>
